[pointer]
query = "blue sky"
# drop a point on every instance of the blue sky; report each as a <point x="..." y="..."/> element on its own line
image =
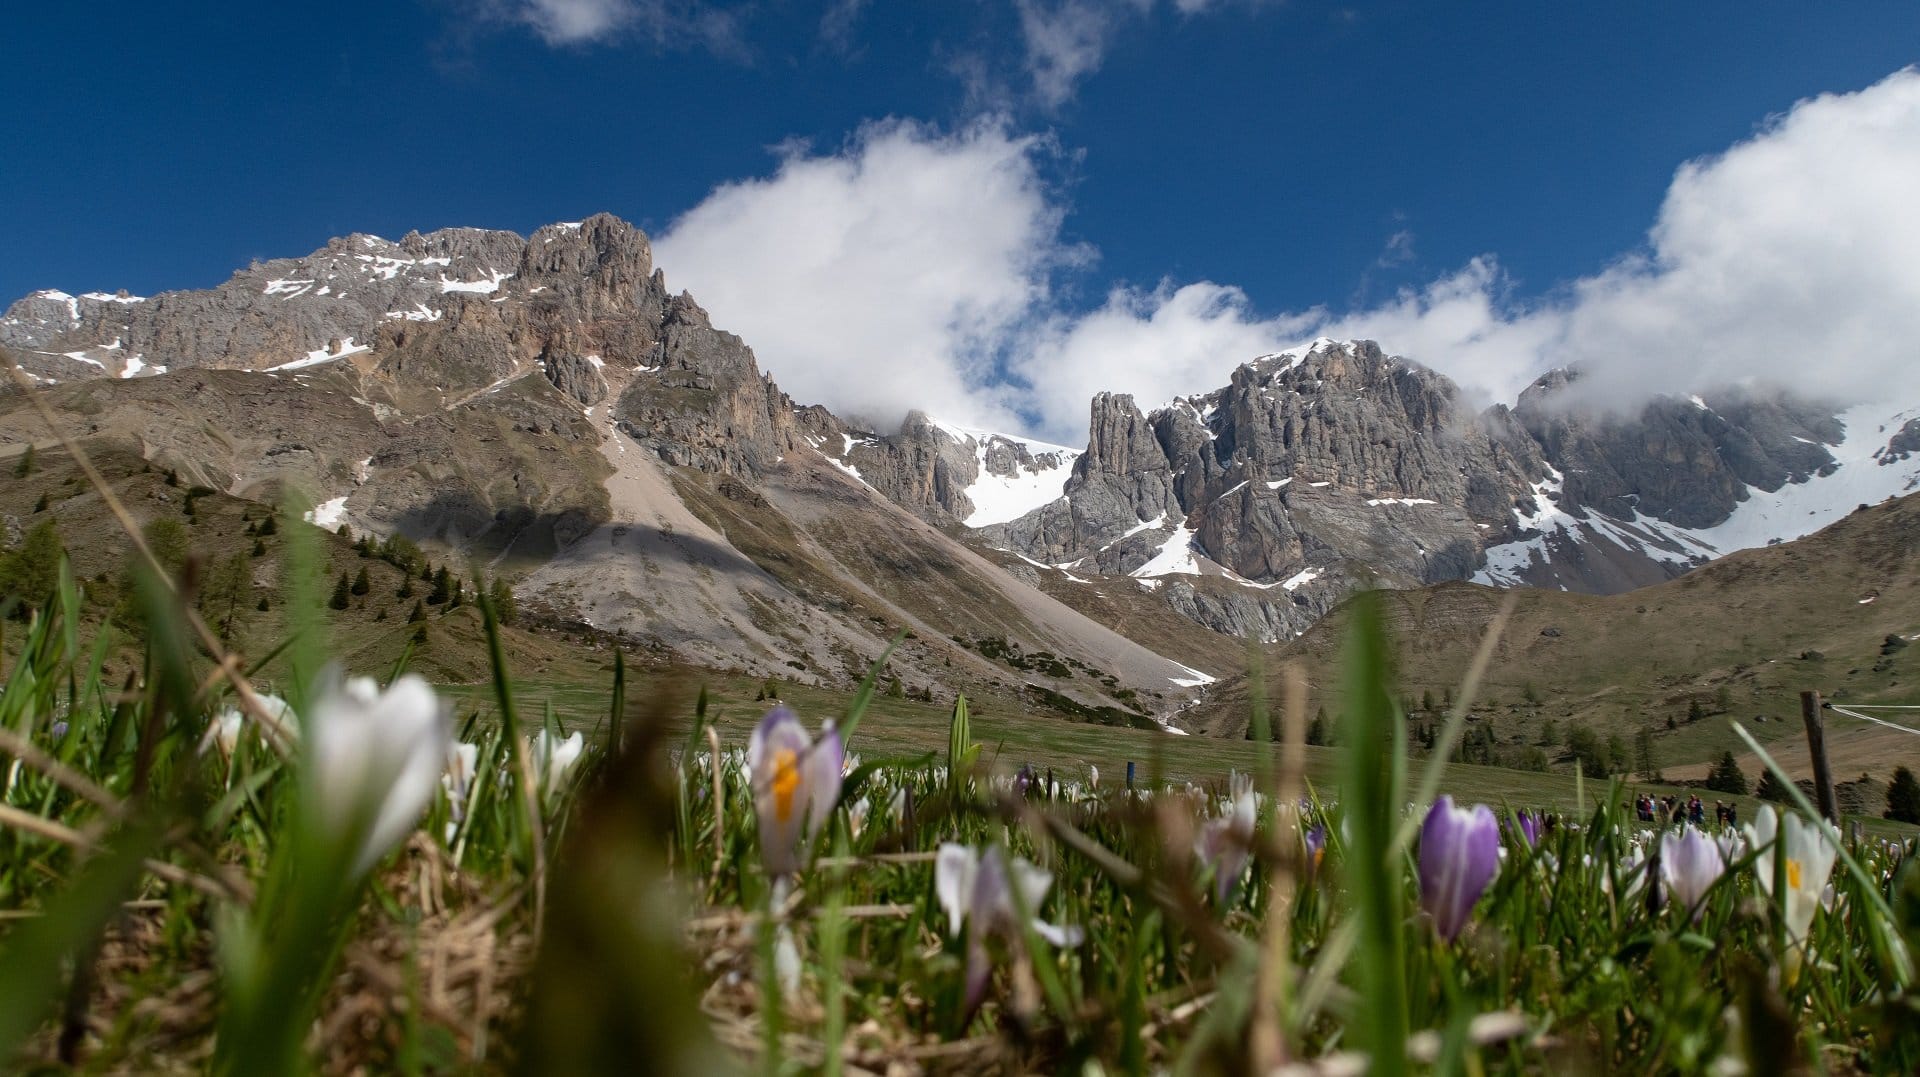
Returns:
<point x="1299" y="157"/>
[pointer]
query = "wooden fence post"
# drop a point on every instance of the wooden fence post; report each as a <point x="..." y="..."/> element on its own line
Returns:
<point x="1817" y="750"/>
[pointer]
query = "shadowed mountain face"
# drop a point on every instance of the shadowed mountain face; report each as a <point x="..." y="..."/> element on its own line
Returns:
<point x="545" y="408"/>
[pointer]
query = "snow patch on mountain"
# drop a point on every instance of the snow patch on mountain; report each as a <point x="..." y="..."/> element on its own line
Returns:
<point x="998" y="499"/>
<point x="1863" y="475"/>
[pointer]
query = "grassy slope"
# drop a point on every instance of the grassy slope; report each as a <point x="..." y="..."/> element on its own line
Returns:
<point x="572" y="674"/>
<point x="370" y="636"/>
<point x="1619" y="663"/>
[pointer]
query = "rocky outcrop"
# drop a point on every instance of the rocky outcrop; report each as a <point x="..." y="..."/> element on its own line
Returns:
<point x="1688" y="462"/>
<point x="1308" y="472"/>
<point x="1902" y="445"/>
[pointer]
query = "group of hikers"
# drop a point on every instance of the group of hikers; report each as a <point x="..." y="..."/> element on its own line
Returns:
<point x="1671" y="809"/>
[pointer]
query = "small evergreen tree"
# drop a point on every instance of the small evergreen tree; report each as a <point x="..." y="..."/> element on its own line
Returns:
<point x="500" y="596"/>
<point x="269" y="526"/>
<point x="1695" y="711"/>
<point x="418" y="614"/>
<point x="1903" y="797"/>
<point x="1644" y="762"/>
<point x="1317" y="730"/>
<point x="262" y="605"/>
<point x="259" y="548"/>
<point x="29" y="573"/>
<point x="361" y="584"/>
<point x="406" y="587"/>
<point x="442" y="587"/>
<point x="1426" y="700"/>
<point x="1588" y="751"/>
<point x="341" y="590"/>
<point x="1771" y="788"/>
<point x="25" y="467"/>
<point x="41" y="505"/>
<point x="1727" y="777"/>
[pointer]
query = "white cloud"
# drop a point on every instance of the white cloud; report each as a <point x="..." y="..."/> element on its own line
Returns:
<point x="664" y="24"/>
<point x="913" y="269"/>
<point x="1066" y="40"/>
<point x="1791" y="258"/>
<point x="573" y="22"/>
<point x="1156" y="345"/>
<point x="886" y="276"/>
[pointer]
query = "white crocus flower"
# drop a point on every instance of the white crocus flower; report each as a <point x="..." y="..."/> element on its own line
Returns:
<point x="554" y="759"/>
<point x="1809" y="849"/>
<point x="223" y="732"/>
<point x="372" y="758"/>
<point x="462" y="760"/>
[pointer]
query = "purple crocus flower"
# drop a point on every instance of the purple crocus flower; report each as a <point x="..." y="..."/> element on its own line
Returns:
<point x="976" y="887"/>
<point x="796" y="782"/>
<point x="1689" y="864"/>
<point x="1459" y="854"/>
<point x="1225" y="843"/>
<point x="1316" y="849"/>
<point x="1529" y="827"/>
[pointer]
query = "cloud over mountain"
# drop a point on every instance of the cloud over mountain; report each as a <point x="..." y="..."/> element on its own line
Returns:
<point x="916" y="268"/>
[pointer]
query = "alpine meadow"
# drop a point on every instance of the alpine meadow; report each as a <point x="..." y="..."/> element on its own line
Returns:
<point x="1142" y="538"/>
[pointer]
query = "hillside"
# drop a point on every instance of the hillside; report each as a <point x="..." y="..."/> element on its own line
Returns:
<point x="1736" y="639"/>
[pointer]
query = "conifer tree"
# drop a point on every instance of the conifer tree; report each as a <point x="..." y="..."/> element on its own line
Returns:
<point x="1771" y="788"/>
<point x="25" y="467"/>
<point x="442" y="587"/>
<point x="418" y="614"/>
<point x="30" y="572"/>
<point x="1903" y="797"/>
<point x="361" y="584"/>
<point x="1644" y="762"/>
<point x="1726" y="776"/>
<point x="341" y="589"/>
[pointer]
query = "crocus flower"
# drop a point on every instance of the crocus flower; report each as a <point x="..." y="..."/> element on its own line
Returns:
<point x="1529" y="826"/>
<point x="977" y="888"/>
<point x="462" y="759"/>
<point x="1093" y="776"/>
<point x="796" y="783"/>
<point x="554" y="759"/>
<point x="1316" y="849"/>
<point x="372" y="758"/>
<point x="1459" y="854"/>
<point x="1225" y="842"/>
<point x="1689" y="863"/>
<point x="224" y="730"/>
<point x="1809" y="849"/>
